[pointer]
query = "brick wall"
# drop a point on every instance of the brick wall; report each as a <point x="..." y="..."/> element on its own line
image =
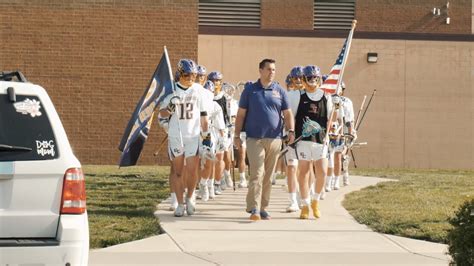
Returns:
<point x="95" y="58"/>
<point x="284" y="14"/>
<point x="413" y="16"/>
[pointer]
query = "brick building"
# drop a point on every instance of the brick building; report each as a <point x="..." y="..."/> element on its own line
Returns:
<point x="96" y="57"/>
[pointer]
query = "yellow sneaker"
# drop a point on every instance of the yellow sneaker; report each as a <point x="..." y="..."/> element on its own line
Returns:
<point x="304" y="213"/>
<point x="314" y="207"/>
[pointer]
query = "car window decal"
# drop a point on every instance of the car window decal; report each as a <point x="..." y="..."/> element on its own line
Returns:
<point x="31" y="107"/>
<point x="45" y="147"/>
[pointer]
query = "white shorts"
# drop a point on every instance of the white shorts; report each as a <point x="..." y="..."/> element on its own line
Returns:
<point x="290" y="157"/>
<point x="191" y="147"/>
<point x="243" y="139"/>
<point x="311" y="151"/>
<point x="336" y="146"/>
<point x="331" y="159"/>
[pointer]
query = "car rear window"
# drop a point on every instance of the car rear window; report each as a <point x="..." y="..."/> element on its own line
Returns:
<point x="25" y="124"/>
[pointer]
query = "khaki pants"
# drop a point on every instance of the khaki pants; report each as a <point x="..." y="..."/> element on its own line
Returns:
<point x="262" y="155"/>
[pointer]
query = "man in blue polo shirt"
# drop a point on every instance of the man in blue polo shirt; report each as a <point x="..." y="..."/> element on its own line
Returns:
<point x="264" y="109"/>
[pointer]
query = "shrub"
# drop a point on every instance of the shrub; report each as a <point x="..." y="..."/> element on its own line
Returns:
<point x="461" y="237"/>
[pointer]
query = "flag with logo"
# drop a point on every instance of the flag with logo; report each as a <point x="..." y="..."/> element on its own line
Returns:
<point x="136" y="132"/>
<point x="332" y="82"/>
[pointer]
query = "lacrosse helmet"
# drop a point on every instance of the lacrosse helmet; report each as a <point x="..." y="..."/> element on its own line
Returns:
<point x="209" y="85"/>
<point x="201" y="70"/>
<point x="187" y="66"/>
<point x="215" y="75"/>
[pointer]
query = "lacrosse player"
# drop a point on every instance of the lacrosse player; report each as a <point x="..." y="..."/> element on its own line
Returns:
<point x="187" y="120"/>
<point x="219" y="97"/>
<point x="315" y="106"/>
<point x="295" y="82"/>
<point x="350" y="136"/>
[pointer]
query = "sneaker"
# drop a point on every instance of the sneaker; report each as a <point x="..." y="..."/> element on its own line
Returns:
<point x="179" y="212"/>
<point x="255" y="215"/>
<point x="243" y="183"/>
<point x="328" y="186"/>
<point x="345" y="180"/>
<point x="229" y="182"/>
<point x="336" y="183"/>
<point x="210" y="186"/>
<point x="265" y="215"/>
<point x="314" y="207"/>
<point x="304" y="212"/>
<point x="174" y="204"/>
<point x="190" y="206"/>
<point x="322" y="196"/>
<point x="200" y="191"/>
<point x="217" y="189"/>
<point x="293" y="207"/>
<point x="223" y="184"/>
<point x="204" y="191"/>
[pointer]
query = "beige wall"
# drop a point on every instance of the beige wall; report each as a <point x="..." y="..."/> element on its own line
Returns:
<point x="422" y="115"/>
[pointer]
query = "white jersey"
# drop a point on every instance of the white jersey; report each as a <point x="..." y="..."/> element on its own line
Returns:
<point x="216" y="119"/>
<point x="188" y="111"/>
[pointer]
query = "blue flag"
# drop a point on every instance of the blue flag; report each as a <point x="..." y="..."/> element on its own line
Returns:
<point x="136" y="132"/>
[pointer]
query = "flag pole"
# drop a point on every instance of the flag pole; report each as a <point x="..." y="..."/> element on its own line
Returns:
<point x="348" y="47"/>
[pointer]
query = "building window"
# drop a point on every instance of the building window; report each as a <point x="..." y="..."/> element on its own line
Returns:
<point x="225" y="13"/>
<point x="333" y="15"/>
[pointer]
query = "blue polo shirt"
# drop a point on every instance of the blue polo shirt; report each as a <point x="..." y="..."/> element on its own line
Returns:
<point x="264" y="109"/>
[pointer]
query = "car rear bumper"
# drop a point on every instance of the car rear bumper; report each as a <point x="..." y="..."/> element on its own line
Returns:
<point x="73" y="246"/>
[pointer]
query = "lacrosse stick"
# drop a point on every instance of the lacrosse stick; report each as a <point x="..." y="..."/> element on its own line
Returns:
<point x="161" y="146"/>
<point x="310" y="128"/>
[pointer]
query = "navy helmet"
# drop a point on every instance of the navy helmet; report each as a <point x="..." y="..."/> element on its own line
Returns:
<point x="296" y="72"/>
<point x="312" y="71"/>
<point x="187" y="66"/>
<point x="215" y="75"/>
<point x="201" y="70"/>
<point x="209" y="85"/>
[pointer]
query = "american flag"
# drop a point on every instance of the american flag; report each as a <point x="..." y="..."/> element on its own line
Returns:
<point x="330" y="84"/>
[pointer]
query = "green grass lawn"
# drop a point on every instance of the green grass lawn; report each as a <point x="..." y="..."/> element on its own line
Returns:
<point x="417" y="205"/>
<point x="121" y="202"/>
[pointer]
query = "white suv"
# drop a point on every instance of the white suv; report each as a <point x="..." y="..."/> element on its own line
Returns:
<point x="43" y="218"/>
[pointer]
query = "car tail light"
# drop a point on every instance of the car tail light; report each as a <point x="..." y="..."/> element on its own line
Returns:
<point x="73" y="199"/>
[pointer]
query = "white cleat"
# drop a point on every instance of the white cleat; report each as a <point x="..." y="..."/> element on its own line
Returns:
<point x="179" y="212"/>
<point x="204" y="191"/>
<point x="345" y="179"/>
<point x="210" y="185"/>
<point x="217" y="189"/>
<point x="229" y="182"/>
<point x="328" y="186"/>
<point x="173" y="204"/>
<point x="337" y="186"/>
<point x="223" y="184"/>
<point x="322" y="196"/>
<point x="293" y="207"/>
<point x="190" y="206"/>
<point x="243" y="183"/>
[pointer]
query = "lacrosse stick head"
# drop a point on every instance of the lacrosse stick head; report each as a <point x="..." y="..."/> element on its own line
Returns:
<point x="310" y="128"/>
<point x="207" y="153"/>
<point x="228" y="89"/>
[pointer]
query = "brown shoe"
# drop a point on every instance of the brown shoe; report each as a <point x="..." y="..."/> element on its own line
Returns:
<point x="255" y="215"/>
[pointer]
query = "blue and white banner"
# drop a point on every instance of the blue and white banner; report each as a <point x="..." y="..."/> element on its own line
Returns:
<point x="136" y="132"/>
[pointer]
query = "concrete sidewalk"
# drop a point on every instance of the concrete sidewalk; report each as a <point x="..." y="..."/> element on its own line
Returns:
<point x="220" y="233"/>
